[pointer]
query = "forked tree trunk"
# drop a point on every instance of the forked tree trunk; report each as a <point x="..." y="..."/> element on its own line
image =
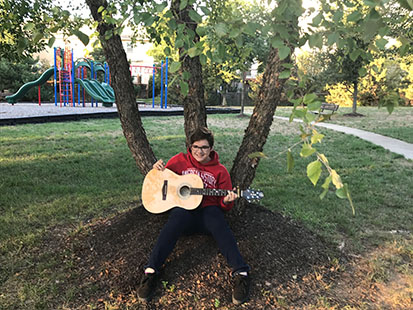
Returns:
<point x="194" y="103"/>
<point x="124" y="93"/>
<point x="243" y="169"/>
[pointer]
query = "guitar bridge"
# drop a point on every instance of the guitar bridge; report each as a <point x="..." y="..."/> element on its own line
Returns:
<point x="164" y="189"/>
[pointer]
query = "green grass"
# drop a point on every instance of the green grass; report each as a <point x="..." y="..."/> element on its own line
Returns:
<point x="58" y="176"/>
<point x="398" y="125"/>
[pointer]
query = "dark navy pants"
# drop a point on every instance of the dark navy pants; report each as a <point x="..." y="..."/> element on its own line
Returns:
<point x="208" y="220"/>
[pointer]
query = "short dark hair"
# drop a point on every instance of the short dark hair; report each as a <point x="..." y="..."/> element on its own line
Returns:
<point x="202" y="133"/>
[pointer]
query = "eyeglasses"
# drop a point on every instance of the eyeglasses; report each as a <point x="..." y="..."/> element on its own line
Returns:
<point x="204" y="148"/>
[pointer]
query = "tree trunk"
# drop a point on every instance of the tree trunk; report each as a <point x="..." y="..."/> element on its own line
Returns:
<point x="244" y="75"/>
<point x="194" y="103"/>
<point x="243" y="169"/>
<point x="124" y="93"/>
<point x="355" y="93"/>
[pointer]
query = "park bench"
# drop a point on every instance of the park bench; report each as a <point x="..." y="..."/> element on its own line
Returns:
<point x="329" y="107"/>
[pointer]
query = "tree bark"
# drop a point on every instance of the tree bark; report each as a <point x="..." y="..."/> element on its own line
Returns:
<point x="124" y="93"/>
<point x="244" y="168"/>
<point x="355" y="93"/>
<point x="194" y="103"/>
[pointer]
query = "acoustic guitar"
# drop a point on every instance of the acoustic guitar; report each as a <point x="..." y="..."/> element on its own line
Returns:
<point x="164" y="190"/>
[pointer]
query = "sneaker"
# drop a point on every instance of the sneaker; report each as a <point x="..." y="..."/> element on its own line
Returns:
<point x="147" y="286"/>
<point x="241" y="288"/>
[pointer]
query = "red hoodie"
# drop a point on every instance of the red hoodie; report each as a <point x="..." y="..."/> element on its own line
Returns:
<point x="213" y="175"/>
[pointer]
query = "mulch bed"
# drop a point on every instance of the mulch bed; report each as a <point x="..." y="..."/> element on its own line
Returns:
<point x="290" y="265"/>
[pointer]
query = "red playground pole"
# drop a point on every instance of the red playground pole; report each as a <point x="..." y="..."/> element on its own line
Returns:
<point x="38" y="94"/>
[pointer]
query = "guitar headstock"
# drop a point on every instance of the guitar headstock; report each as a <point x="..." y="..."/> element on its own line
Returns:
<point x="252" y="195"/>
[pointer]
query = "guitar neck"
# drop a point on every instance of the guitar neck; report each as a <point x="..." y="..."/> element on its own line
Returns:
<point x="209" y="191"/>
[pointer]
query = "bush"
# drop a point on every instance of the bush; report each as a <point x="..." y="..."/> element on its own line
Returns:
<point x="15" y="75"/>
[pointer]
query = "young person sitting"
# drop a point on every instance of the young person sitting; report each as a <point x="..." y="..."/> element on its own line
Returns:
<point x="208" y="218"/>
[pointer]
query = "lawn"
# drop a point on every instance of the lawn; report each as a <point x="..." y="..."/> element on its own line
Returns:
<point x="56" y="178"/>
<point x="398" y="124"/>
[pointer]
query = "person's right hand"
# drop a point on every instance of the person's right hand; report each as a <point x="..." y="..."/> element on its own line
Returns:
<point x="159" y="165"/>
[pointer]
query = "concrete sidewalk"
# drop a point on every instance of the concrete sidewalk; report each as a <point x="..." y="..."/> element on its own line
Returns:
<point x="393" y="145"/>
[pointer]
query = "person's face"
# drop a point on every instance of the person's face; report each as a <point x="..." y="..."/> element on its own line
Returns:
<point x="201" y="150"/>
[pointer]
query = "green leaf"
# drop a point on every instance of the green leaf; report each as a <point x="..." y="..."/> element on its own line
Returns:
<point x="287" y="66"/>
<point x="205" y="10"/>
<point x="51" y="41"/>
<point x="325" y="186"/>
<point x="354" y="54"/>
<point x="235" y="32"/>
<point x="317" y="19"/>
<point x="195" y="16"/>
<point x="203" y="59"/>
<point x="285" y="74"/>
<point x="341" y="192"/>
<point x="332" y="38"/>
<point x="283" y="52"/>
<point x="315" y="40"/>
<point x="183" y="4"/>
<point x="202" y="31"/>
<point x="282" y="30"/>
<point x="221" y="29"/>
<point x="314" y="171"/>
<point x="101" y="9"/>
<point x="194" y="51"/>
<point x="84" y="38"/>
<point x="29" y="26"/>
<point x="308" y="98"/>
<point x="300" y="112"/>
<point x="239" y="42"/>
<point x="309" y="118"/>
<point x="37" y="37"/>
<point x="290" y="162"/>
<point x="186" y="75"/>
<point x="327" y="182"/>
<point x="362" y="72"/>
<point x="174" y="67"/>
<point x="370" y="3"/>
<point x="161" y="6"/>
<point x="184" y="88"/>
<point x="390" y="107"/>
<point x="149" y="21"/>
<point x="314" y="106"/>
<point x="407" y="4"/>
<point x="307" y="150"/>
<point x="354" y="17"/>
<point x="338" y="15"/>
<point x="381" y="43"/>
<point x="276" y="42"/>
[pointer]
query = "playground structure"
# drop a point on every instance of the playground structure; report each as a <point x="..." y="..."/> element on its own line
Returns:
<point x="65" y="81"/>
<point x="164" y="83"/>
<point x="84" y="73"/>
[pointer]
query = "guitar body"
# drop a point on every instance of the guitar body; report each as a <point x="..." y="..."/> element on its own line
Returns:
<point x="163" y="190"/>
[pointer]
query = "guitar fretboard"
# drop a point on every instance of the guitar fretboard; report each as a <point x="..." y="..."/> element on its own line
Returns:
<point x="209" y="191"/>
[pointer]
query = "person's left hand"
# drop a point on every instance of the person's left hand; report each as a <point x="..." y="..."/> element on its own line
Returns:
<point x="230" y="197"/>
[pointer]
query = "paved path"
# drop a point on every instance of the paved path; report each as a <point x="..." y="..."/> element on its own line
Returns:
<point x="393" y="145"/>
<point x="24" y="113"/>
<point x="24" y="110"/>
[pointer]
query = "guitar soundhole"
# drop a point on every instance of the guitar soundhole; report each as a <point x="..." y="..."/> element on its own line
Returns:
<point x="184" y="191"/>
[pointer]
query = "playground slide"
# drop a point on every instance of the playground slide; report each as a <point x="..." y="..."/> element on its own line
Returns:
<point x="97" y="91"/>
<point x="25" y="88"/>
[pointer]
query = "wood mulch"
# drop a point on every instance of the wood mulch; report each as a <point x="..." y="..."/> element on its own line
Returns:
<point x="291" y="266"/>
